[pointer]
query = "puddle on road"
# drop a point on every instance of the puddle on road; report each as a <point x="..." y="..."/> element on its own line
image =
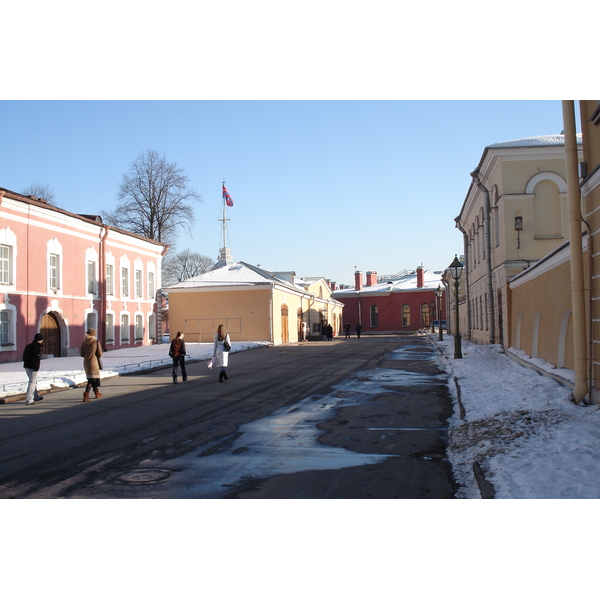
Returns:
<point x="286" y="441"/>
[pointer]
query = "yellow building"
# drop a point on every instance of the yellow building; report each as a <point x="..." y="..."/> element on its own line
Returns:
<point x="253" y="304"/>
<point x="555" y="304"/>
<point x="514" y="214"/>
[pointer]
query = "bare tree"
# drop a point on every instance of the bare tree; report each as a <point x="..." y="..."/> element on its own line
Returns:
<point x="154" y="200"/>
<point x="184" y="265"/>
<point x="40" y="190"/>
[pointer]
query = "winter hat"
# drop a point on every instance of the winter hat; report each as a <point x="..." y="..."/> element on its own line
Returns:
<point x="91" y="332"/>
<point x="38" y="337"/>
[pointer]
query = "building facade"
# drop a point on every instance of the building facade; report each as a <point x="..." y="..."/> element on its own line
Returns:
<point x="515" y="213"/>
<point x="252" y="303"/>
<point x="399" y="303"/>
<point x="62" y="273"/>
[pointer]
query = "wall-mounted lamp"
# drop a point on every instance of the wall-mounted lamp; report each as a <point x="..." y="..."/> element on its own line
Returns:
<point x="518" y="229"/>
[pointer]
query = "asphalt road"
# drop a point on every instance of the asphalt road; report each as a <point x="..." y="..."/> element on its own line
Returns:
<point x="344" y="419"/>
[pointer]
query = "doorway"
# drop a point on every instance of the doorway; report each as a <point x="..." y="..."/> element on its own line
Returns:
<point x="50" y="329"/>
<point x="285" y="335"/>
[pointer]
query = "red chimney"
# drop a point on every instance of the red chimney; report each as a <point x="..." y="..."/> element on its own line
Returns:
<point x="333" y="286"/>
<point x="358" y="280"/>
<point x="420" y="277"/>
<point x="371" y="278"/>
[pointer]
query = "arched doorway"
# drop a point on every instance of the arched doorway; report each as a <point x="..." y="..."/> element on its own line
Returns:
<point x="285" y="335"/>
<point x="50" y="329"/>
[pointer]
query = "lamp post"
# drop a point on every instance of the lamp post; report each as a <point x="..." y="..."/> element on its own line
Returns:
<point x="438" y="294"/>
<point x="456" y="268"/>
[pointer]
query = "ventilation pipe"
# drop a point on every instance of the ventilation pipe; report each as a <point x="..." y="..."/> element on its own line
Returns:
<point x="488" y="252"/>
<point x="577" y="282"/>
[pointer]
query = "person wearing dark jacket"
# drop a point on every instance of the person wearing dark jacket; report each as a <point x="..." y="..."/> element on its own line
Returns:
<point x="32" y="356"/>
<point x="177" y="353"/>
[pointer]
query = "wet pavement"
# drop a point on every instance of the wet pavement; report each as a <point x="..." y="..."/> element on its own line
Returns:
<point x="376" y="429"/>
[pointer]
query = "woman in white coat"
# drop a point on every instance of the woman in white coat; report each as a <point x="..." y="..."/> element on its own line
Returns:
<point x="221" y="351"/>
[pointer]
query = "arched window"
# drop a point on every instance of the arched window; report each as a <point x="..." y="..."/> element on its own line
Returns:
<point x="374" y="316"/>
<point x="547" y="217"/>
<point x="405" y="315"/>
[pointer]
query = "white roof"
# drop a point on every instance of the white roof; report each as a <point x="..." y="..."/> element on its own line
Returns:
<point x="539" y="140"/>
<point x="431" y="280"/>
<point x="236" y="274"/>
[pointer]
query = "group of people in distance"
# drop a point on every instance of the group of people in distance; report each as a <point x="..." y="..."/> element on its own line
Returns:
<point x="221" y="348"/>
<point x="91" y="352"/>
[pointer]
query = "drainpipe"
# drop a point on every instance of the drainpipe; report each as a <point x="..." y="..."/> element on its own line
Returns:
<point x="488" y="252"/>
<point x="468" y="295"/>
<point x="102" y="283"/>
<point x="577" y="282"/>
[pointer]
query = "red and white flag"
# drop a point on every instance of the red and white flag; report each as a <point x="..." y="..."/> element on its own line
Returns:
<point x="227" y="197"/>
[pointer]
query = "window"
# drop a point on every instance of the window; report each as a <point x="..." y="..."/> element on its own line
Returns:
<point x="138" y="284"/>
<point x="124" y="282"/>
<point x="151" y="290"/>
<point x="152" y="328"/>
<point x="91" y="277"/>
<point x="110" y="328"/>
<point x="425" y="315"/>
<point x="55" y="272"/>
<point x="406" y="316"/>
<point x="5" y="329"/>
<point x="5" y="265"/>
<point x="374" y="316"/>
<point x="110" y="280"/>
<point x="139" y="328"/>
<point x="124" y="329"/>
<point x="91" y="321"/>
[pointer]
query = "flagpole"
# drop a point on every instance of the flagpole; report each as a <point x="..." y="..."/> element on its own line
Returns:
<point x="224" y="219"/>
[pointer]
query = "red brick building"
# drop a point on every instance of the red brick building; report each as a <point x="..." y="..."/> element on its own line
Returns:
<point x="399" y="303"/>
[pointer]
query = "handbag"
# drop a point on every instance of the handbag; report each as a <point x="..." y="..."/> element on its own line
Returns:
<point x="212" y="362"/>
<point x="226" y="345"/>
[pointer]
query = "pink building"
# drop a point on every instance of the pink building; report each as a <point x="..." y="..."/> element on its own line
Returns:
<point x="62" y="273"/>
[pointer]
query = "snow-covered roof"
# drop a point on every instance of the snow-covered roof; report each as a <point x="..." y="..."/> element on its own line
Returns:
<point x="431" y="280"/>
<point x="538" y="140"/>
<point x="236" y="275"/>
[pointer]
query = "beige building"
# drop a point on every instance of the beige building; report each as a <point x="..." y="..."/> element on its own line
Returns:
<point x="514" y="214"/>
<point x="253" y="304"/>
<point x="555" y="303"/>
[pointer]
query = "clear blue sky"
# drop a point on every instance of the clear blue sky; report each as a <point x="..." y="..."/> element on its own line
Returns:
<point x="319" y="186"/>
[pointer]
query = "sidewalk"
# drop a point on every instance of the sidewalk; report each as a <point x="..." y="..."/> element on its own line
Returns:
<point x="62" y="373"/>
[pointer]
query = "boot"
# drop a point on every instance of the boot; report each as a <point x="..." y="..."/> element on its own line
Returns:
<point x="86" y="397"/>
<point x="221" y="376"/>
<point x="97" y="394"/>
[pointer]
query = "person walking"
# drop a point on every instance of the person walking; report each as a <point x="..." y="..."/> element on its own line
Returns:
<point x="221" y="350"/>
<point x="358" y="330"/>
<point x="329" y="333"/>
<point x="32" y="356"/>
<point x="92" y="363"/>
<point x="177" y="353"/>
<point x="347" y="329"/>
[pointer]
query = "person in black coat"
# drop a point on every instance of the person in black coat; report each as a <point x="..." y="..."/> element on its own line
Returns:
<point x="177" y="353"/>
<point x="32" y="356"/>
<point x="358" y="329"/>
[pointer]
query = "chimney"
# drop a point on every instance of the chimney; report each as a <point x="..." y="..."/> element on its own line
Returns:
<point x="333" y="286"/>
<point x="420" y="277"/>
<point x="358" y="280"/>
<point x="371" y="278"/>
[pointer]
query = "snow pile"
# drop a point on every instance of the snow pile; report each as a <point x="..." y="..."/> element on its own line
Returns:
<point x="519" y="426"/>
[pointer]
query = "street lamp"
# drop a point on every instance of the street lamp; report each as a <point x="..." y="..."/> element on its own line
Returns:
<point x="456" y="268"/>
<point x="438" y="294"/>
